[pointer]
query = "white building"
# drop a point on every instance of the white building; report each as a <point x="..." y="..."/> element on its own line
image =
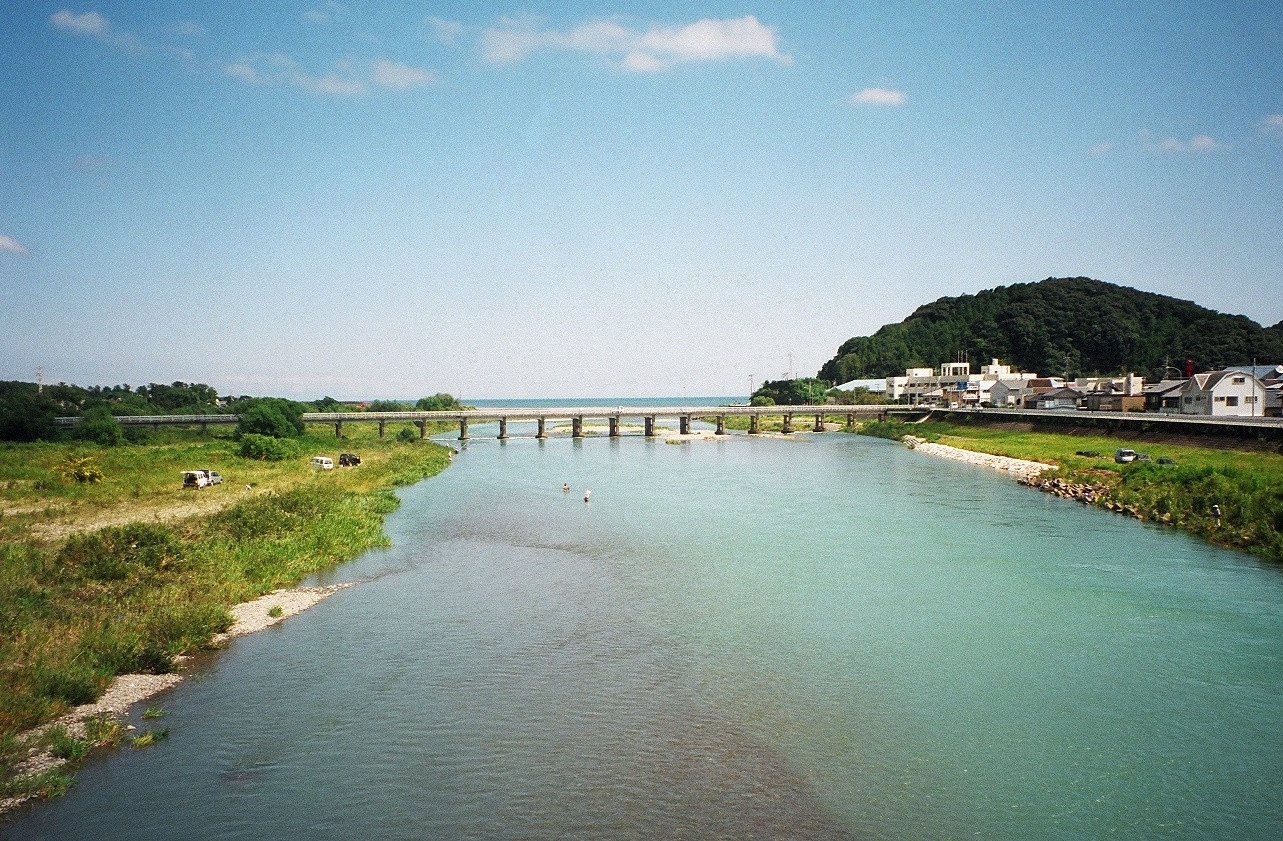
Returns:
<point x="952" y="384"/>
<point x="1223" y="394"/>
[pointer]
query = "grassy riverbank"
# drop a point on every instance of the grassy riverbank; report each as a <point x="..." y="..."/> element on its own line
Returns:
<point x="1247" y="485"/>
<point x="118" y="576"/>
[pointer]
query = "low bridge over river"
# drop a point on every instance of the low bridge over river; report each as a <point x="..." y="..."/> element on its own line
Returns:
<point x="794" y="418"/>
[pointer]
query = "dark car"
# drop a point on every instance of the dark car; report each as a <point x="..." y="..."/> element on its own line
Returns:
<point x="349" y="460"/>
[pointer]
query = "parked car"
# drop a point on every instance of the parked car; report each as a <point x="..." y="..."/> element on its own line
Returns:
<point x="323" y="462"/>
<point x="201" y="478"/>
<point x="1166" y="460"/>
<point x="1088" y="453"/>
<point x="1144" y="457"/>
<point x="349" y="460"/>
<point x="1122" y="455"/>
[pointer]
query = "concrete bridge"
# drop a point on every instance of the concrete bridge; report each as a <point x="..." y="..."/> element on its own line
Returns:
<point x="812" y="415"/>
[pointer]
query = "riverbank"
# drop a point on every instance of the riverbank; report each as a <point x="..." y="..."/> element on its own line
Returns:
<point x="127" y="691"/>
<point x="100" y="582"/>
<point x="1021" y="469"/>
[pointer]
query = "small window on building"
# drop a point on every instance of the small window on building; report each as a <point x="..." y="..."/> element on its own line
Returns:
<point x="1240" y="380"/>
<point x="1230" y="401"/>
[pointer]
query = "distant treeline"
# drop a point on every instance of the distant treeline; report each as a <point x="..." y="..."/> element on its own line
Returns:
<point x="1085" y="326"/>
<point x="27" y="410"/>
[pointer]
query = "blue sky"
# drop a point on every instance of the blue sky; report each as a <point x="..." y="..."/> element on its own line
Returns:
<point x="392" y="199"/>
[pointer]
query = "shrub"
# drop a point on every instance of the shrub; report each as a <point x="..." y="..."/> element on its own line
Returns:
<point x="113" y="553"/>
<point x="437" y="403"/>
<point x="81" y="468"/>
<point x="268" y="448"/>
<point x="407" y="435"/>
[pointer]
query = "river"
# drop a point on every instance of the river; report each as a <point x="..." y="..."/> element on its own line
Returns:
<point x="827" y="636"/>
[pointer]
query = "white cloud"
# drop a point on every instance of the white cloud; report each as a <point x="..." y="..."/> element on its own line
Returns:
<point x="344" y="80"/>
<point x="187" y="29"/>
<point x="651" y="50"/>
<point x="94" y="25"/>
<point x="446" y="31"/>
<point x="324" y="13"/>
<point x="389" y="74"/>
<point x="90" y="23"/>
<point x="1102" y="148"/>
<point x="879" y="96"/>
<point x="1202" y="143"/>
<point x="1172" y="145"/>
<point x="1273" y="122"/>
<point x="12" y="246"/>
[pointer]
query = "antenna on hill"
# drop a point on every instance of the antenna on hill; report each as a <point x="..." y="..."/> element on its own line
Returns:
<point x="40" y="379"/>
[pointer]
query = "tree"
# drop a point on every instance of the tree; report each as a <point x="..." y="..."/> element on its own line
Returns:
<point x="440" y="402"/>
<point x="271" y="416"/>
<point x="387" y="406"/>
<point x="795" y="392"/>
<point x="99" y="426"/>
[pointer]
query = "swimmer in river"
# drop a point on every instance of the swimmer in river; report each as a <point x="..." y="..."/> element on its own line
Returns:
<point x="565" y="488"/>
<point x="586" y="495"/>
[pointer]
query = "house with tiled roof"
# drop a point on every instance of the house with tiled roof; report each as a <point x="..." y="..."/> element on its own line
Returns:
<point x="1227" y="393"/>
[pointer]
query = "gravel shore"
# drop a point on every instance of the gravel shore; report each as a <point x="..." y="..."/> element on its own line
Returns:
<point x="1016" y="467"/>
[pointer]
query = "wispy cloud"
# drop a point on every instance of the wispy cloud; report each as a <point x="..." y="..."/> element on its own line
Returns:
<point x="324" y="13"/>
<point x="1102" y="148"/>
<point x="344" y="80"/>
<point x="1274" y="122"/>
<point x="646" y="51"/>
<point x="1172" y="145"/>
<point x="445" y="31"/>
<point x="389" y="74"/>
<point x="878" y="96"/>
<point x="10" y="245"/>
<point x="94" y="25"/>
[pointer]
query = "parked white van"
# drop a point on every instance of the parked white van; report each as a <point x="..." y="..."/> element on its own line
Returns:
<point x="323" y="462"/>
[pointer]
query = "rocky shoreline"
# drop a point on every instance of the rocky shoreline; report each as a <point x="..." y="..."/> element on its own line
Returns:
<point x="1025" y="471"/>
<point x="127" y="690"/>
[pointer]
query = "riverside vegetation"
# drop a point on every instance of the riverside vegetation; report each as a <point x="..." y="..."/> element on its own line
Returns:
<point x="117" y="569"/>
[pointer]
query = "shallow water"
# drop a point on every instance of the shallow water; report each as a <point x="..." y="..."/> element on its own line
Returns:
<point x="823" y="637"/>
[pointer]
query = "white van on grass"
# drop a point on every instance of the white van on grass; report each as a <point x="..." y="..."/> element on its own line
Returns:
<point x="323" y="462"/>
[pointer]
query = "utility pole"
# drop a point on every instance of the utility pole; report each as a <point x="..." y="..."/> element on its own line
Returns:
<point x="790" y="366"/>
<point x="750" y="388"/>
<point x="40" y="379"/>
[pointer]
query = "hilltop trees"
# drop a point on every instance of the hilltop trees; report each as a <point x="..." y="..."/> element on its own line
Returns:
<point x="1084" y="325"/>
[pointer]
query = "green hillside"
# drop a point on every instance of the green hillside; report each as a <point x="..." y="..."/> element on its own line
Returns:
<point x="1095" y="327"/>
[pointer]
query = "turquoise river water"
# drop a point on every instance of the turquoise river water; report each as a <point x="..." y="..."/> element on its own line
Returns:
<point x="827" y="636"/>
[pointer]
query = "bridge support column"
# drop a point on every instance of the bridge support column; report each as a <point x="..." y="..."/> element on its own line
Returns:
<point x="850" y="420"/>
<point x="819" y="423"/>
<point x="614" y="427"/>
<point x="650" y="426"/>
<point x="577" y="427"/>
<point x="788" y="425"/>
<point x="754" y="425"/>
<point x="338" y="429"/>
<point x="541" y="434"/>
<point x="463" y="429"/>
<point x="503" y="428"/>
<point x="383" y="427"/>
<point x="721" y="425"/>
<point x="684" y="424"/>
<point x="423" y="429"/>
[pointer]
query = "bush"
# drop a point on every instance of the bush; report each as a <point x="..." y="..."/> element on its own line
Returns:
<point x="437" y="403"/>
<point x="113" y="553"/>
<point x="81" y="468"/>
<point x="407" y="435"/>
<point x="268" y="448"/>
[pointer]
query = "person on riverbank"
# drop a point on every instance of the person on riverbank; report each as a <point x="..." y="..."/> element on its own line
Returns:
<point x="1216" y="512"/>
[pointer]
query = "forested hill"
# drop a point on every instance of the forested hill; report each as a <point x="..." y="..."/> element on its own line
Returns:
<point x="1102" y="329"/>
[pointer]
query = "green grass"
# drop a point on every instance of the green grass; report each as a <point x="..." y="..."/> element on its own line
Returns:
<point x="124" y="574"/>
<point x="1246" y="484"/>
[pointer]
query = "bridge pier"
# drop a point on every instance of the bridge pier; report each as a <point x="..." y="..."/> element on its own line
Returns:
<point x="650" y="426"/>
<point x="423" y="429"/>
<point x="541" y="434"/>
<point x="503" y="428"/>
<point x="754" y="425"/>
<point x="788" y="425"/>
<point x="614" y="427"/>
<point x="338" y="429"/>
<point x="463" y="429"/>
<point x="383" y="427"/>
<point x="819" y="423"/>
<point x="721" y="425"/>
<point x="577" y="427"/>
<point x="684" y="424"/>
<point x="850" y="420"/>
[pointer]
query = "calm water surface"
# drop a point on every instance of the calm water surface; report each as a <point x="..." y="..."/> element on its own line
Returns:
<point x="823" y="637"/>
